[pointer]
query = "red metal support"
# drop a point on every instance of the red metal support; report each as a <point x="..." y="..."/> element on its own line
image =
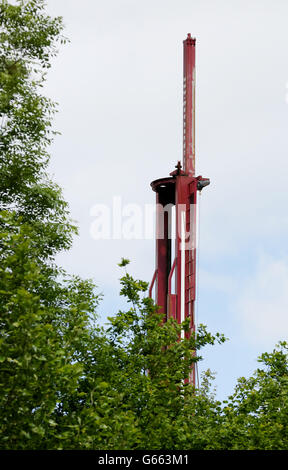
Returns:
<point x="170" y="277"/>
<point x="189" y="105"/>
<point x="172" y="298"/>
<point x="179" y="189"/>
<point x="152" y="282"/>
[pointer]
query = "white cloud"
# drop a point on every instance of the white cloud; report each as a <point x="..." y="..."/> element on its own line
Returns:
<point x="263" y="306"/>
<point x="219" y="282"/>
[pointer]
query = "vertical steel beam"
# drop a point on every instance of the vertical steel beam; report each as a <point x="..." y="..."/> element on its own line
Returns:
<point x="189" y="105"/>
<point x="163" y="253"/>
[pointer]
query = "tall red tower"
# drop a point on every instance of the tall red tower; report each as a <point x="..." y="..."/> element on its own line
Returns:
<point x="179" y="190"/>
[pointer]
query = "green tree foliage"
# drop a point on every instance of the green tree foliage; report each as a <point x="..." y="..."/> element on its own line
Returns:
<point x="28" y="40"/>
<point x="42" y="320"/>
<point x="256" y="415"/>
<point x="65" y="382"/>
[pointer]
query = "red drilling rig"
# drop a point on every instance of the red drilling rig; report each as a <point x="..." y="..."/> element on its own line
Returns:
<point x="179" y="190"/>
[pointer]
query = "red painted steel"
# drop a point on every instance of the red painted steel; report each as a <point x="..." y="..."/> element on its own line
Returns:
<point x="172" y="298"/>
<point x="180" y="189"/>
<point x="189" y="105"/>
<point x="152" y="283"/>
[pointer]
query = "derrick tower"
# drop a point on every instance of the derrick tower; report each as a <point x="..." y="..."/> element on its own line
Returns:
<point x="178" y="192"/>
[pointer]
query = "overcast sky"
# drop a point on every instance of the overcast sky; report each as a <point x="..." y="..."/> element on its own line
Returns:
<point x="119" y="88"/>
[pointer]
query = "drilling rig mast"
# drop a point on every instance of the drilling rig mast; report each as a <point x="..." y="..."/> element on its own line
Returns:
<point x="179" y="190"/>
